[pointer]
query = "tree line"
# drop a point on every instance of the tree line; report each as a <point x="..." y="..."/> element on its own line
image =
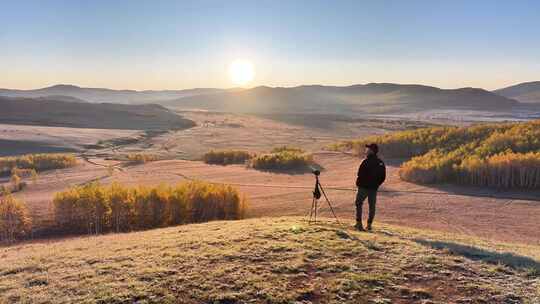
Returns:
<point x="37" y="162"/>
<point x="96" y="208"/>
<point x="496" y="155"/>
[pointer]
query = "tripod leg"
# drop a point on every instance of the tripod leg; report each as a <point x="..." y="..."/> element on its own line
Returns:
<point x="329" y="204"/>
<point x="311" y="210"/>
<point x="316" y="207"/>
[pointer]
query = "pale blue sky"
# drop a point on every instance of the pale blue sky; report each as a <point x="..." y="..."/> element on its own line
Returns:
<point x="184" y="44"/>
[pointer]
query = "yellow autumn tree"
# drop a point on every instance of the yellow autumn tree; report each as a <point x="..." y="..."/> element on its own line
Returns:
<point x="15" y="222"/>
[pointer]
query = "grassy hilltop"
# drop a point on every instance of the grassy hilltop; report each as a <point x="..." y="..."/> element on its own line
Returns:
<point x="270" y="260"/>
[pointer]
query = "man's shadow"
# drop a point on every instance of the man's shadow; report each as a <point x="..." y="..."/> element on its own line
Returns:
<point x="511" y="260"/>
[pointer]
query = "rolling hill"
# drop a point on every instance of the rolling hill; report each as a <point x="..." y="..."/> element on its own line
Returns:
<point x="369" y="98"/>
<point x="60" y="113"/>
<point x="528" y="92"/>
<point x="270" y="260"/>
<point x="106" y="95"/>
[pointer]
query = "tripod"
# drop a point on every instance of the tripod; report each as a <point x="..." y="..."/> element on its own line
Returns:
<point x="316" y="196"/>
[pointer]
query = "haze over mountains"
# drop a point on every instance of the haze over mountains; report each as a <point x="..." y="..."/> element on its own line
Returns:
<point x="106" y="95"/>
<point x="45" y="111"/>
<point x="523" y="92"/>
<point x="367" y="98"/>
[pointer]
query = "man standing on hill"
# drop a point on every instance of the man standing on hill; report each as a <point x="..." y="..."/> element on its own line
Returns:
<point x="371" y="175"/>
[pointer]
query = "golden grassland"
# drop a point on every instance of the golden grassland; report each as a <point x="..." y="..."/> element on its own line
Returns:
<point x="96" y="208"/>
<point x="226" y="157"/>
<point x="269" y="260"/>
<point x="494" y="155"/>
<point x="38" y="162"/>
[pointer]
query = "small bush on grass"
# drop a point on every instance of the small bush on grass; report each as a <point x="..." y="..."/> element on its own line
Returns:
<point x="95" y="208"/>
<point x="287" y="149"/>
<point x="226" y="157"/>
<point x="4" y="190"/>
<point x="141" y="158"/>
<point x="38" y="162"/>
<point x="14" y="220"/>
<point x="284" y="160"/>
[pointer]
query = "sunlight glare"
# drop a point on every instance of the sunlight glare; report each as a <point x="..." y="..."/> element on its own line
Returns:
<point x="241" y="72"/>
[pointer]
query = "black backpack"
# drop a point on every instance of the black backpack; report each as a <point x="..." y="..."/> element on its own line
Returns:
<point x="380" y="172"/>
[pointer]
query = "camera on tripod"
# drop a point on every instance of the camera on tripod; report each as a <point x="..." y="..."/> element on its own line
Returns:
<point x="318" y="192"/>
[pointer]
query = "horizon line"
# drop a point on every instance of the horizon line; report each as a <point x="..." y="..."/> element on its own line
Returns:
<point x="258" y="86"/>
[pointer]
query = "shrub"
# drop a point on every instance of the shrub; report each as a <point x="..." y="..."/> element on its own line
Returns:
<point x="285" y="160"/>
<point x="226" y="157"/>
<point x="16" y="182"/>
<point x="141" y="158"/>
<point x="38" y="162"/>
<point x="14" y="220"/>
<point x="25" y="173"/>
<point x="4" y="190"/>
<point x="94" y="208"/>
<point x="287" y="149"/>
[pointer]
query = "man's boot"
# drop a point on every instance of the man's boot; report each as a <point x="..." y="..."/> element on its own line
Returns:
<point x="359" y="226"/>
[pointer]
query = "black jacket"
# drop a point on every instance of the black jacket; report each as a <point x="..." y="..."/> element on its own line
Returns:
<point x="371" y="173"/>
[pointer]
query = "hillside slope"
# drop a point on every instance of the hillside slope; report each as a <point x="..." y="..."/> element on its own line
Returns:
<point x="524" y="92"/>
<point x="279" y="260"/>
<point x="52" y="112"/>
<point x="369" y="98"/>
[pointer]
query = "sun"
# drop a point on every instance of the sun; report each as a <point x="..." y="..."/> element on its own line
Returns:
<point x="241" y="72"/>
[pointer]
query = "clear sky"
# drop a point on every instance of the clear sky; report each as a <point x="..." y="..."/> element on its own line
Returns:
<point x="183" y="44"/>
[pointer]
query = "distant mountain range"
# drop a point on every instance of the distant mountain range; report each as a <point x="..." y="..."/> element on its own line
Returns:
<point x="106" y="95"/>
<point x="361" y="98"/>
<point x="528" y="92"/>
<point x="368" y="98"/>
<point x="45" y="111"/>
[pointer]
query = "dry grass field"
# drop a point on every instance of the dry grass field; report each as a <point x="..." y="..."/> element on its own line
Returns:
<point x="213" y="152"/>
<point x="432" y="244"/>
<point x="213" y="131"/>
<point x="469" y="211"/>
<point x="216" y="131"/>
<point x="267" y="260"/>
<point x="19" y="139"/>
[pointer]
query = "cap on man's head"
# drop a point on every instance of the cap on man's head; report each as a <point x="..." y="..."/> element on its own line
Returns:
<point x="373" y="148"/>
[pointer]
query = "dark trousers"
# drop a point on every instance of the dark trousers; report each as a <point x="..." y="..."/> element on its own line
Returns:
<point x="371" y="195"/>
